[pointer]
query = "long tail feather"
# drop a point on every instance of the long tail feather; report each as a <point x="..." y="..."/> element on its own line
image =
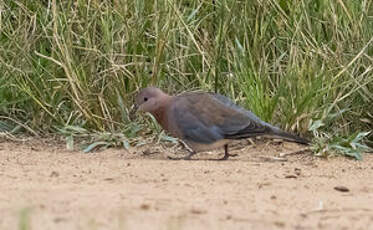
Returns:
<point x="288" y="136"/>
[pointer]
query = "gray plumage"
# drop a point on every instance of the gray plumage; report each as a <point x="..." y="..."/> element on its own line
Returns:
<point x="206" y="121"/>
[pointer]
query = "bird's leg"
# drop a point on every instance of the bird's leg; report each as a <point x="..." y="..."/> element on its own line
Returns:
<point x="187" y="157"/>
<point x="226" y="154"/>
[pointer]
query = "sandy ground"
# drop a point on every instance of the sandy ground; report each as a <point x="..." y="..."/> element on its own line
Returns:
<point x="44" y="186"/>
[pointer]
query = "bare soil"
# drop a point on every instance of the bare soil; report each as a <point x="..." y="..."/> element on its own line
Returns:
<point x="44" y="186"/>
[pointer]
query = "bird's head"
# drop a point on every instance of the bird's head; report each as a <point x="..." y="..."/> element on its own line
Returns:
<point x="149" y="99"/>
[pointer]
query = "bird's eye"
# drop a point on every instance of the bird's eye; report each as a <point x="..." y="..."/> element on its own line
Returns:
<point x="145" y="98"/>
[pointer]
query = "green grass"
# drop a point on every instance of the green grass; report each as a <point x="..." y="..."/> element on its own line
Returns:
<point x="78" y="63"/>
<point x="24" y="219"/>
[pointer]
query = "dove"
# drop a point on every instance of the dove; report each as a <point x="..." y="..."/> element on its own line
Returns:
<point x="205" y="121"/>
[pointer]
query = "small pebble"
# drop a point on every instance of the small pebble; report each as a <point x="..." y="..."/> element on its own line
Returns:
<point x="279" y="224"/>
<point x="341" y="189"/>
<point x="297" y="171"/>
<point x="197" y="211"/>
<point x="145" y="206"/>
<point x="290" y="176"/>
<point x="54" y="174"/>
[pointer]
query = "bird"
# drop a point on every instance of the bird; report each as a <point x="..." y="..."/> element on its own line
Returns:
<point x="205" y="120"/>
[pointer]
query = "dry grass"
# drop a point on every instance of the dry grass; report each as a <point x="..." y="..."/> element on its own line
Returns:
<point x="294" y="63"/>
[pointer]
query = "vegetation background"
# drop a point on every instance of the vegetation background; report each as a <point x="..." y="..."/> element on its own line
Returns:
<point x="72" y="67"/>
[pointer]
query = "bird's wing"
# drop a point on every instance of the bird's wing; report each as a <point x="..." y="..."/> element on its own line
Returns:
<point x="207" y="117"/>
<point x="252" y="125"/>
<point x="239" y="122"/>
<point x="191" y="127"/>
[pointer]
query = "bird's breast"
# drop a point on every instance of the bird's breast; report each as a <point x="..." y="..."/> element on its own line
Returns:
<point x="165" y="121"/>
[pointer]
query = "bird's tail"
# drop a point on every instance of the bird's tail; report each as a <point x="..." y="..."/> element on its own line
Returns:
<point x="276" y="132"/>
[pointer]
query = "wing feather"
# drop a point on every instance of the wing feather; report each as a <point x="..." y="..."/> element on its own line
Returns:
<point x="209" y="117"/>
<point x="243" y="123"/>
<point x="193" y="128"/>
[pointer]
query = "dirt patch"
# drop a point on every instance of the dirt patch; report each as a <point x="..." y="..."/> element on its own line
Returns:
<point x="43" y="186"/>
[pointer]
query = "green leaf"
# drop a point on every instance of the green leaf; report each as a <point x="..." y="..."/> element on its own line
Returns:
<point x="314" y="126"/>
<point x="94" y="145"/>
<point x="126" y="144"/>
<point x="165" y="137"/>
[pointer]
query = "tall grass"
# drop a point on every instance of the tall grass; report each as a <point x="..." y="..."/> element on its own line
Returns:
<point x="79" y="62"/>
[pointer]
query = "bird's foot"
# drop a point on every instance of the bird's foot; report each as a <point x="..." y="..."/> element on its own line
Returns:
<point x="226" y="156"/>
<point x="187" y="157"/>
